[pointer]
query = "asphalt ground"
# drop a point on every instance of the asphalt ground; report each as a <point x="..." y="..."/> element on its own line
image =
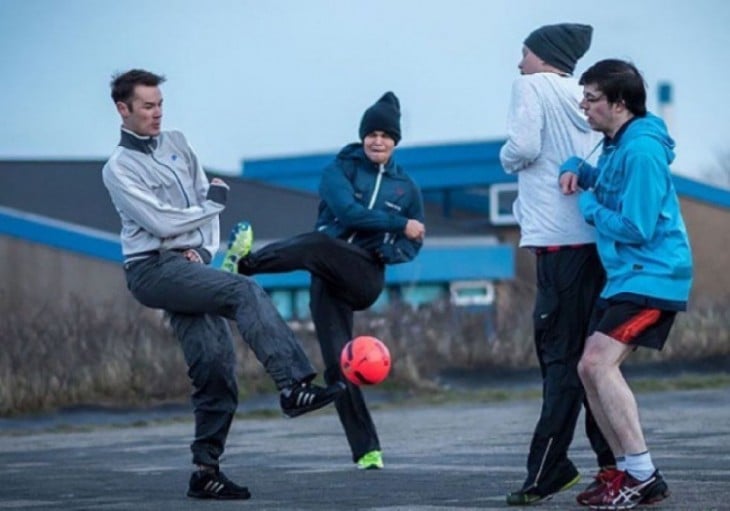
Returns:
<point x="455" y="456"/>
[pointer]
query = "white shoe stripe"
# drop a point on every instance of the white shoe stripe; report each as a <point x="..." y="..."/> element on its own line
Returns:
<point x="305" y="399"/>
<point x="214" y="486"/>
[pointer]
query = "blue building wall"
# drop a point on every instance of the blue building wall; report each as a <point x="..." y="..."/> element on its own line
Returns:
<point x="455" y="175"/>
<point x="439" y="262"/>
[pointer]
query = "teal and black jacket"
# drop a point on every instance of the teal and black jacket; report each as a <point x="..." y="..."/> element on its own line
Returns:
<point x="369" y="204"/>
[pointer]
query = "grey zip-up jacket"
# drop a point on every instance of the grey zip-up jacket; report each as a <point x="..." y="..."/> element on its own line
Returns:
<point x="163" y="196"/>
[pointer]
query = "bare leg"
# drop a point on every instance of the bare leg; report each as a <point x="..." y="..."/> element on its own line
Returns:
<point x="610" y="397"/>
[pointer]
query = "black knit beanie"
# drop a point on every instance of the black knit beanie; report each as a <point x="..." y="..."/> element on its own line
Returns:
<point x="560" y="45"/>
<point x="384" y="115"/>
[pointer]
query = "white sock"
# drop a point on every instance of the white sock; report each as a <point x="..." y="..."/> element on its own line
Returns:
<point x="640" y="465"/>
<point x="621" y="463"/>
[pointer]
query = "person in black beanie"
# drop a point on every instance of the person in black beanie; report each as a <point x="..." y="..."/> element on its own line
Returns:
<point x="384" y="115"/>
<point x="370" y="215"/>
<point x="545" y="126"/>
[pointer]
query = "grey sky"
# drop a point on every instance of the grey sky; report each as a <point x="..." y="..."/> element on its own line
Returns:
<point x="251" y="79"/>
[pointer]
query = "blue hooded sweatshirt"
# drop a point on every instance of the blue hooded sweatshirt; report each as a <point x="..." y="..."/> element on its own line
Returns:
<point x="369" y="205"/>
<point x="630" y="199"/>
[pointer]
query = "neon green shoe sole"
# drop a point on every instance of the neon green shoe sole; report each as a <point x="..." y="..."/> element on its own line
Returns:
<point x="523" y="498"/>
<point x="372" y="460"/>
<point x="239" y="246"/>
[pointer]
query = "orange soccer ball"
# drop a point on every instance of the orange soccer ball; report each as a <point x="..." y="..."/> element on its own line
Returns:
<point x="365" y="360"/>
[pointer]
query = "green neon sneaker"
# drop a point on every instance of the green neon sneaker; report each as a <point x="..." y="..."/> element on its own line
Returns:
<point x="239" y="246"/>
<point x="527" y="497"/>
<point x="372" y="460"/>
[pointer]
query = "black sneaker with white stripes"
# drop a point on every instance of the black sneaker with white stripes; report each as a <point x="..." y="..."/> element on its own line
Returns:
<point x="206" y="484"/>
<point x="305" y="397"/>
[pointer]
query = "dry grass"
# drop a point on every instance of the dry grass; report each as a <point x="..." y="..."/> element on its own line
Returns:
<point x="53" y="359"/>
<point x="86" y="355"/>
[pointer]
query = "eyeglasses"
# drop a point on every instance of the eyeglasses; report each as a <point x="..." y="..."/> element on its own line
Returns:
<point x="589" y="98"/>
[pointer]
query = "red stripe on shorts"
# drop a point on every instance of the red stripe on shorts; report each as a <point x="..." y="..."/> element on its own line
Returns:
<point x="629" y="330"/>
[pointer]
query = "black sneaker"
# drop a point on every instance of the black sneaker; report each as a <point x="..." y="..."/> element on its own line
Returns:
<point x="534" y="494"/>
<point x="526" y="497"/>
<point x="206" y="484"/>
<point x="305" y="397"/>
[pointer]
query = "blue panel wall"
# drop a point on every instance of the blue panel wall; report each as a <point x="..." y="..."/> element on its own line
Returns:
<point x="433" y="167"/>
<point x="60" y="235"/>
<point x="455" y="169"/>
<point x="436" y="263"/>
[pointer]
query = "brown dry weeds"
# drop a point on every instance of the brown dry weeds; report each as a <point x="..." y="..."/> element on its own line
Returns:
<point x="129" y="357"/>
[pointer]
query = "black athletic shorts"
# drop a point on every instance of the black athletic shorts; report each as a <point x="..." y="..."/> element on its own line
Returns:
<point x="631" y="323"/>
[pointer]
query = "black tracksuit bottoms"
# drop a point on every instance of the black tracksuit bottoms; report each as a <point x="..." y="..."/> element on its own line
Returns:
<point x="198" y="299"/>
<point x="345" y="278"/>
<point x="568" y="283"/>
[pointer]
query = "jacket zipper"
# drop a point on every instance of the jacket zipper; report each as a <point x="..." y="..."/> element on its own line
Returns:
<point x="376" y="190"/>
<point x="182" y="189"/>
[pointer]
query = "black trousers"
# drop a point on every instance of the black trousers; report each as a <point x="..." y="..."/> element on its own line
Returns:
<point x="568" y="283"/>
<point x="198" y="299"/>
<point x="345" y="278"/>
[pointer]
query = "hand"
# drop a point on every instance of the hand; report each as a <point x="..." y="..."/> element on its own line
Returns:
<point x="192" y="256"/>
<point x="415" y="230"/>
<point x="218" y="182"/>
<point x="568" y="183"/>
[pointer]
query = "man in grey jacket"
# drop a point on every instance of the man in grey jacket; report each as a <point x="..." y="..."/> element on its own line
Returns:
<point x="545" y="126"/>
<point x="170" y="231"/>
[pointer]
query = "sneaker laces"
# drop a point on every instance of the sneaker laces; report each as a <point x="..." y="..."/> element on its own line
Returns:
<point x="614" y="485"/>
<point x="606" y="475"/>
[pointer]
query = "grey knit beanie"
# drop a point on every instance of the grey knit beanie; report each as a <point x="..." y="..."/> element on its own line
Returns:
<point x="560" y="45"/>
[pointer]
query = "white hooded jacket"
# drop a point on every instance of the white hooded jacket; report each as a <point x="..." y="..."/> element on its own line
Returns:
<point x="545" y="126"/>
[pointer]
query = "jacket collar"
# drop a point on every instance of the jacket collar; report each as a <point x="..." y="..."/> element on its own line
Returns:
<point x="390" y="165"/>
<point x="615" y="140"/>
<point x="131" y="140"/>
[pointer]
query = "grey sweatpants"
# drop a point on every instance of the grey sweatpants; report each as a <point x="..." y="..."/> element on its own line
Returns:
<point x="198" y="298"/>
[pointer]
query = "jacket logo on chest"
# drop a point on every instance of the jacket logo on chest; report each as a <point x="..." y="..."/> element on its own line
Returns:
<point x="393" y="205"/>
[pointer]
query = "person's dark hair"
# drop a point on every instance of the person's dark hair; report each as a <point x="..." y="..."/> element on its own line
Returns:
<point x="618" y="80"/>
<point x="123" y="84"/>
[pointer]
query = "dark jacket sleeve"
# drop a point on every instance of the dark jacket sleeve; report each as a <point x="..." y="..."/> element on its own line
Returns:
<point x="398" y="248"/>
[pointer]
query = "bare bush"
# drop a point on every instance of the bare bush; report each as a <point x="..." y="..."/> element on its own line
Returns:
<point x="702" y="332"/>
<point x="719" y="173"/>
<point x="85" y="354"/>
<point x="427" y="340"/>
<point x="127" y="355"/>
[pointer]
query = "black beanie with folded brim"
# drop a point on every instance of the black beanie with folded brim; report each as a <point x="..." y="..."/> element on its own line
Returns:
<point x="384" y="115"/>
<point x="560" y="45"/>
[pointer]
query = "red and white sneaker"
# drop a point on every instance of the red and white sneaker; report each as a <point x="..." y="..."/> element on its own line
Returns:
<point x="625" y="492"/>
<point x="602" y="478"/>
